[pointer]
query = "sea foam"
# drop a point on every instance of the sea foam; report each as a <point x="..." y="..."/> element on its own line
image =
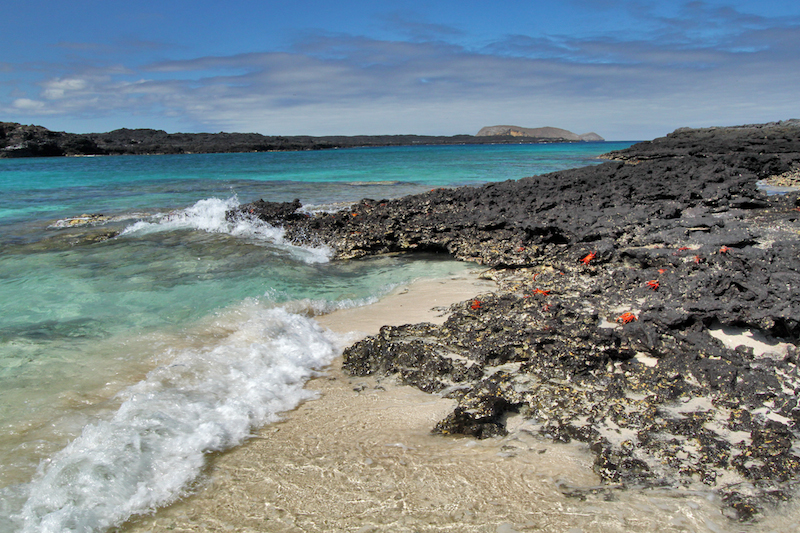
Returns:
<point x="209" y="215"/>
<point x="202" y="400"/>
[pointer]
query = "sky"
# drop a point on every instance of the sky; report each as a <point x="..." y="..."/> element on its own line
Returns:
<point x="625" y="69"/>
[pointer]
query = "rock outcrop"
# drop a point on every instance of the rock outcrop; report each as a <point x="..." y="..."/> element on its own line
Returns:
<point x="631" y="296"/>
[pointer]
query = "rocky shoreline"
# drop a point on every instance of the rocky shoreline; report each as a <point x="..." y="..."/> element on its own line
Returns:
<point x="628" y="295"/>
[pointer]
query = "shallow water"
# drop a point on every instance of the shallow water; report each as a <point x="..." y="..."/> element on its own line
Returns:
<point x="362" y="459"/>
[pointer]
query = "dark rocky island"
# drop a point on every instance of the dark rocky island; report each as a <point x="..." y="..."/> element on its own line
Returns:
<point x="625" y="294"/>
<point x="17" y="140"/>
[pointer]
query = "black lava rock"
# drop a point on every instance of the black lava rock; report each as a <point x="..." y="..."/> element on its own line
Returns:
<point x="626" y="292"/>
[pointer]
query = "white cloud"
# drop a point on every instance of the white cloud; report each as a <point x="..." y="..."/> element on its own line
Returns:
<point x="26" y="105"/>
<point x="60" y="88"/>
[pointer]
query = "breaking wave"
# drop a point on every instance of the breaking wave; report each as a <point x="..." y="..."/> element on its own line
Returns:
<point x="201" y="400"/>
<point x="209" y="215"/>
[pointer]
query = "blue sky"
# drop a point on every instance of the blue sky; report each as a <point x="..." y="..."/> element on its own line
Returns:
<point x="625" y="69"/>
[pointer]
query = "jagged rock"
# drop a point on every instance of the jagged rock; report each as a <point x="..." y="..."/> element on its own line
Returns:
<point x="614" y="285"/>
<point x="272" y="212"/>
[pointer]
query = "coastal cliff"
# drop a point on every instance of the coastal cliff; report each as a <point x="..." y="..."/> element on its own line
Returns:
<point x="648" y="307"/>
<point x="18" y="140"/>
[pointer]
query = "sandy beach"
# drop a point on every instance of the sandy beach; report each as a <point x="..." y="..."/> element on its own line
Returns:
<point x="361" y="456"/>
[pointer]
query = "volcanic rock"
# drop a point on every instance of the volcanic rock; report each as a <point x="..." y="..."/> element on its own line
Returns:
<point x="648" y="306"/>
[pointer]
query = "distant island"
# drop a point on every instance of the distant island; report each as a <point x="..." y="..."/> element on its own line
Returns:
<point x="538" y="133"/>
<point x="19" y="140"/>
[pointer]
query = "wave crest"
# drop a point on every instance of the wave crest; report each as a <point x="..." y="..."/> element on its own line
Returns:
<point x="203" y="400"/>
<point x="209" y="215"/>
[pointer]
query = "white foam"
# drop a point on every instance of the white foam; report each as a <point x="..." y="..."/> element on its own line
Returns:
<point x="317" y="307"/>
<point x="203" y="400"/>
<point x="209" y="215"/>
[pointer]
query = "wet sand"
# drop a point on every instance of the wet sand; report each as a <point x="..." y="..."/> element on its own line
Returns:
<point x="361" y="458"/>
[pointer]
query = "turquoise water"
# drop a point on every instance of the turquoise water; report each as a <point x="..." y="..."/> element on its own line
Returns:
<point x="108" y="346"/>
<point x="51" y="188"/>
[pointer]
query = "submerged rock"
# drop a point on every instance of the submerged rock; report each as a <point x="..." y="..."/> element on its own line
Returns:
<point x="614" y="283"/>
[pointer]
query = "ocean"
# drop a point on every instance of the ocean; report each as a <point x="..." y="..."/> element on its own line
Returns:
<point x="141" y="331"/>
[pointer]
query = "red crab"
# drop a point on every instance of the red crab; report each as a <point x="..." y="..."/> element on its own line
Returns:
<point x="476" y="304"/>
<point x="586" y="260"/>
<point x="653" y="283"/>
<point x="540" y="291"/>
<point x="626" y="318"/>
